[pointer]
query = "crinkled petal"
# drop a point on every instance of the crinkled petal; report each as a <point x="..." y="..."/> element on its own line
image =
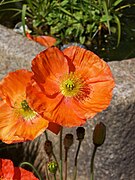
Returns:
<point x="95" y="93"/>
<point x="14" y="128"/>
<point x="87" y="63"/>
<point x="6" y="169"/>
<point x="48" y="67"/>
<point x="37" y="101"/>
<point x="14" y="85"/>
<point x="97" y="76"/>
<point x="6" y="122"/>
<point x="57" y="109"/>
<point x="46" y="41"/>
<point x="98" y="100"/>
<point x="30" y="129"/>
<point x="55" y="128"/>
<point x="22" y="174"/>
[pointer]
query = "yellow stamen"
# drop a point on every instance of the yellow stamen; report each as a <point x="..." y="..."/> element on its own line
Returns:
<point x="25" y="105"/>
<point x="70" y="85"/>
<point x="24" y="110"/>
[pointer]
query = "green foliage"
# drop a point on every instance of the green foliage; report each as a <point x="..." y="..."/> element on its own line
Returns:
<point x="9" y="11"/>
<point x="73" y="20"/>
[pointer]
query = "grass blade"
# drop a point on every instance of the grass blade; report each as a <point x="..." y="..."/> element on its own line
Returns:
<point x="8" y="2"/>
<point x="119" y="28"/>
<point x="23" y="17"/>
<point x="117" y="2"/>
<point x="107" y="15"/>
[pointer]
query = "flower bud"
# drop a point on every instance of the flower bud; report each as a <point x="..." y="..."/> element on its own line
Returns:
<point x="99" y="134"/>
<point x="52" y="167"/>
<point x="48" y="148"/>
<point x="68" y="141"/>
<point x="80" y="131"/>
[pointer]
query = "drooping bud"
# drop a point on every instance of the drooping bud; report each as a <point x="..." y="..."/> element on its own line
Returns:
<point x="52" y="167"/>
<point x="80" y="132"/>
<point x="68" y="141"/>
<point x="99" y="134"/>
<point x="48" y="148"/>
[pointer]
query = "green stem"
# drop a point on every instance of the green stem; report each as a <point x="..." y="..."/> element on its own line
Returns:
<point x="34" y="169"/>
<point x="23" y="17"/>
<point x="65" y="163"/>
<point x="92" y="164"/>
<point x="46" y="135"/>
<point x="46" y="169"/>
<point x="56" y="161"/>
<point x="54" y="176"/>
<point x="75" y="165"/>
<point x="61" y="168"/>
<point x="125" y="6"/>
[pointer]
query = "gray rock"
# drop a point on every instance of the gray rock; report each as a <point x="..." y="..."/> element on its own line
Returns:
<point x="115" y="159"/>
<point x="16" y="51"/>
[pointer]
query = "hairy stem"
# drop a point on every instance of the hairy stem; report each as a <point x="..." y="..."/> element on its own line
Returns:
<point x="61" y="165"/>
<point x="75" y="164"/>
<point x="92" y="164"/>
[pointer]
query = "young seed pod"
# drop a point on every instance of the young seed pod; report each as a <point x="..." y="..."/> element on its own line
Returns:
<point x="48" y="148"/>
<point x="99" y="134"/>
<point x="80" y="132"/>
<point x="68" y="141"/>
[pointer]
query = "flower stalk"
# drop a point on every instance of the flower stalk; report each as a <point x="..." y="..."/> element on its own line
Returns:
<point x="54" y="176"/>
<point x="61" y="164"/>
<point x="68" y="141"/>
<point x="46" y="170"/>
<point x="99" y="135"/>
<point x="33" y="168"/>
<point x="92" y="163"/>
<point x="75" y="162"/>
<point x="80" y="132"/>
<point x="65" y="163"/>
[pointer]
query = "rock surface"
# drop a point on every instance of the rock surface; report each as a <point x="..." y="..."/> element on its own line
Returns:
<point x="16" y="51"/>
<point x="115" y="160"/>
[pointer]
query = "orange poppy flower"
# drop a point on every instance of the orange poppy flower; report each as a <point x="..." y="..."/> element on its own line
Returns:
<point x="75" y="85"/>
<point x="9" y="172"/>
<point x="46" y="41"/>
<point x="18" y="122"/>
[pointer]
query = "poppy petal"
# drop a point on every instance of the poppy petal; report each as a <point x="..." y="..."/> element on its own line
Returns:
<point x="6" y="122"/>
<point x="18" y="124"/>
<point x="46" y="41"/>
<point x="14" y="84"/>
<point x="22" y="174"/>
<point x="99" y="99"/>
<point x="33" y="128"/>
<point x="79" y="92"/>
<point x="48" y="67"/>
<point x="54" y="109"/>
<point x="87" y="62"/>
<point x="97" y="75"/>
<point x="55" y="128"/>
<point x="16" y="129"/>
<point x="35" y="98"/>
<point x="6" y="169"/>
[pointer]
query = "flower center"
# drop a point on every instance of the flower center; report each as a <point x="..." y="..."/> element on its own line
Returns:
<point x="26" y="112"/>
<point x="25" y="105"/>
<point x="70" y="85"/>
